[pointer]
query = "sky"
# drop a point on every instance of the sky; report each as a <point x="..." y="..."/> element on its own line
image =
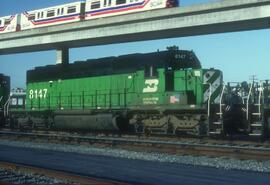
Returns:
<point x="239" y="54"/>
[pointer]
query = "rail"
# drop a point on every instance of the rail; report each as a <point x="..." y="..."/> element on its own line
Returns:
<point x="228" y="149"/>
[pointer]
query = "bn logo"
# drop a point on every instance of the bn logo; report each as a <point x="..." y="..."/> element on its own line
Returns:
<point x="151" y="85"/>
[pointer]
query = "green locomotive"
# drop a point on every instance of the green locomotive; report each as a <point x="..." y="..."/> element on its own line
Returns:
<point x="4" y="95"/>
<point x="165" y="92"/>
<point x="160" y="92"/>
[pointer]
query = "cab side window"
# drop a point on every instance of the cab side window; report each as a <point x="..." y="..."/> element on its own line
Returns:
<point x="31" y="17"/>
<point x="150" y="71"/>
<point x="7" y="21"/>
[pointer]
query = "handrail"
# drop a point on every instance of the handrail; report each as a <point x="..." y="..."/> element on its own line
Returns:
<point x="259" y="100"/>
<point x="209" y="99"/>
<point x="221" y="98"/>
<point x="6" y="105"/>
<point x="249" y="94"/>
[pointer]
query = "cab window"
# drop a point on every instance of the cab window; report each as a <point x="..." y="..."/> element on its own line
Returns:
<point x="31" y="17"/>
<point x="7" y="21"/>
<point x="150" y="71"/>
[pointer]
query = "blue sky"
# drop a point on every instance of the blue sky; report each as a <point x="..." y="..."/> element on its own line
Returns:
<point x="239" y="55"/>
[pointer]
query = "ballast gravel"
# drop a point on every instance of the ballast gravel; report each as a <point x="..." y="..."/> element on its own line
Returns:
<point x="216" y="162"/>
<point x="11" y="176"/>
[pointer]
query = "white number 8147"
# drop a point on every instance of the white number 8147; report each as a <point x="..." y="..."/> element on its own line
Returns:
<point x="38" y="93"/>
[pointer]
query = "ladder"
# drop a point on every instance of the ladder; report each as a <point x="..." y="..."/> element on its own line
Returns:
<point x="256" y="116"/>
<point x="218" y="126"/>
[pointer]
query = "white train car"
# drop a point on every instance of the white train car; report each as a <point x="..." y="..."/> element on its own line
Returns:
<point x="65" y="13"/>
<point x="8" y="24"/>
<point x="102" y="8"/>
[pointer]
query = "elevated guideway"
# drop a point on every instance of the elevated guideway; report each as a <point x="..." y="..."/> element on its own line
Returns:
<point x="219" y="17"/>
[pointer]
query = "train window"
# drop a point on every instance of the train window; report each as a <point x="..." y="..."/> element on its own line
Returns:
<point x="41" y="15"/>
<point x="150" y="71"/>
<point x="14" y="101"/>
<point x="7" y="21"/>
<point x="95" y="5"/>
<point x="50" y="13"/>
<point x="120" y="2"/>
<point x="71" y="9"/>
<point x="31" y="17"/>
<point x="105" y="2"/>
<point x="0" y="22"/>
<point x="110" y="2"/>
<point x="62" y="11"/>
<point x="58" y="11"/>
<point x="20" y="101"/>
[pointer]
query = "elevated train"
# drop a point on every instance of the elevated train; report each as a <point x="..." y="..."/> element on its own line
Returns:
<point x="164" y="92"/>
<point x="78" y="11"/>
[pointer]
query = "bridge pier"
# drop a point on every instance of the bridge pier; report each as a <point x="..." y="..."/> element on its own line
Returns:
<point x="62" y="56"/>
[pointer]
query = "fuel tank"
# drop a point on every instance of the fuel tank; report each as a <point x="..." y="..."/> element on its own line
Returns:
<point x="86" y="120"/>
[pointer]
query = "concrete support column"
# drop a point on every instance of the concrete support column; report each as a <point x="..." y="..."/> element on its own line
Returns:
<point x="62" y="56"/>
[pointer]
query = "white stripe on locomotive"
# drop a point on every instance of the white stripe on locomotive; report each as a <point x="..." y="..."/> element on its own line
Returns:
<point x="214" y="86"/>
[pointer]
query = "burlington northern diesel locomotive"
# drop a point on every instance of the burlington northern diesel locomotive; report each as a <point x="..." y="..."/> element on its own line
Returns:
<point x="78" y="11"/>
<point x="165" y="92"/>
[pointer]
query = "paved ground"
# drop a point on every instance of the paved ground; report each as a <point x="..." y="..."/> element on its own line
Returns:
<point x="132" y="171"/>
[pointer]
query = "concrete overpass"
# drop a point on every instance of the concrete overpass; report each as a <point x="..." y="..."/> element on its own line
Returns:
<point x="219" y="17"/>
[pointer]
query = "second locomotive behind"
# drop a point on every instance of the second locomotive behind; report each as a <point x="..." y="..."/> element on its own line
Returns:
<point x="4" y="95"/>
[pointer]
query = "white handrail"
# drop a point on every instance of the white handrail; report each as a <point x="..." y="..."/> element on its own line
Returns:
<point x="249" y="94"/>
<point x="220" y="101"/>
<point x="209" y="99"/>
<point x="6" y="106"/>
<point x="260" y="96"/>
<point x="220" y="105"/>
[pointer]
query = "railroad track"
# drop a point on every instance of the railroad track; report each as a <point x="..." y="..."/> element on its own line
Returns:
<point x="213" y="148"/>
<point x="12" y="173"/>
